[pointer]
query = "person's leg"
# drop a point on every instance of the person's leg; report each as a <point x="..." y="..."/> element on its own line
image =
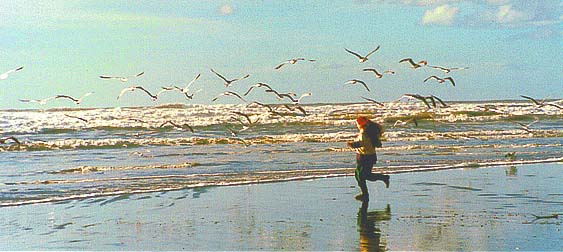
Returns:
<point x="375" y="176"/>
<point x="361" y="178"/>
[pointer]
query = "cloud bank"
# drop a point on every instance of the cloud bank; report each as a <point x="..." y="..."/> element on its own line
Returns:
<point x="443" y="15"/>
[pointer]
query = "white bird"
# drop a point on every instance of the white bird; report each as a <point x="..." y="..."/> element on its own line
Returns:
<point x="40" y="101"/>
<point x="360" y="57"/>
<point x="228" y="93"/>
<point x="13" y="139"/>
<point x="301" y="97"/>
<point x="133" y="88"/>
<point x="257" y="85"/>
<point x="5" y="75"/>
<point x="76" y="117"/>
<point x="121" y="78"/>
<point x="175" y="125"/>
<point x="186" y="89"/>
<point x="541" y="103"/>
<point x="374" y="101"/>
<point x="376" y="73"/>
<point x="400" y="122"/>
<point x="229" y="82"/>
<point x="440" y="80"/>
<point x="447" y="70"/>
<point x="292" y="61"/>
<point x="413" y="64"/>
<point x="77" y="101"/>
<point x="356" y="81"/>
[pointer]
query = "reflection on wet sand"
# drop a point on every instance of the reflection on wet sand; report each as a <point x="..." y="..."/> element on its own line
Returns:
<point x="511" y="171"/>
<point x="370" y="234"/>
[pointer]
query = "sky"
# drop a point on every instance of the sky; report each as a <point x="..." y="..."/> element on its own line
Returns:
<point x="510" y="47"/>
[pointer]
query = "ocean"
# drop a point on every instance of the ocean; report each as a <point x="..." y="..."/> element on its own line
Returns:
<point x="139" y="177"/>
<point x="74" y="154"/>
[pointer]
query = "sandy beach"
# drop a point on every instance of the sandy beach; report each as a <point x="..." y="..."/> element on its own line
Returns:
<point x="494" y="208"/>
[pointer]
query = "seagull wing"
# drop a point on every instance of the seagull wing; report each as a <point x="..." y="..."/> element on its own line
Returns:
<point x="220" y="76"/>
<point x="280" y="65"/>
<point x="262" y="84"/>
<point x="531" y="99"/>
<point x="192" y="82"/>
<point x="409" y="60"/>
<point x="248" y="91"/>
<point x="432" y="77"/>
<point x="66" y="97"/>
<point x="370" y="53"/>
<point x="302" y="96"/>
<point x="451" y="80"/>
<point x="147" y="92"/>
<point x="374" y="101"/>
<point x="446" y="70"/>
<point x="353" y="53"/>
<point x="125" y="90"/>
<point x="440" y="101"/>
<point x="553" y="105"/>
<point x="364" y="84"/>
<point x="235" y="94"/>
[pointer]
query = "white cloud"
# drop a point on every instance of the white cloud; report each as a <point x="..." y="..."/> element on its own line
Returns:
<point x="226" y="9"/>
<point x="443" y="15"/>
<point x="434" y="2"/>
<point x="508" y="15"/>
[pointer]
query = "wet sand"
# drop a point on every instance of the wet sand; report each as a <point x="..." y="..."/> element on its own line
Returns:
<point x="493" y="208"/>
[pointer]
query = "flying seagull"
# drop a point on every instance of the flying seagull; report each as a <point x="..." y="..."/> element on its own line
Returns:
<point x="400" y="122"/>
<point x="228" y="93"/>
<point x="376" y="73"/>
<point x="133" y="88"/>
<point x="76" y="117"/>
<point x="175" y="125"/>
<point x="40" y="101"/>
<point x="361" y="58"/>
<point x="440" y="80"/>
<point x="374" y="101"/>
<point x="293" y="61"/>
<point x="121" y="78"/>
<point x="541" y="103"/>
<point x="13" y="139"/>
<point x="257" y="85"/>
<point x="5" y="75"/>
<point x="413" y="64"/>
<point x="280" y="96"/>
<point x="356" y="81"/>
<point x="77" y="101"/>
<point x="243" y="115"/>
<point x="295" y="107"/>
<point x="229" y="82"/>
<point x="447" y="70"/>
<point x="418" y="97"/>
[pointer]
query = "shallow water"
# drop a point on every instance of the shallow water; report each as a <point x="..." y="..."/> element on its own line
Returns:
<point x="494" y="208"/>
<point x="124" y="151"/>
<point x="70" y="178"/>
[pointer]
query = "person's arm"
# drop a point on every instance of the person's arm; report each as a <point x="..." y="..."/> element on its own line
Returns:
<point x="359" y="143"/>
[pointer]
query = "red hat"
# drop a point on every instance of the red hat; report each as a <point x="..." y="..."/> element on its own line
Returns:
<point x="362" y="120"/>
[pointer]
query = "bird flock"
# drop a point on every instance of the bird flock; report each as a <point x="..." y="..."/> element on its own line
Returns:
<point x="292" y="101"/>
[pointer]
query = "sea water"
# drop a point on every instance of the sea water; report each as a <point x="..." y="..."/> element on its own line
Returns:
<point x="124" y="150"/>
<point x="128" y="151"/>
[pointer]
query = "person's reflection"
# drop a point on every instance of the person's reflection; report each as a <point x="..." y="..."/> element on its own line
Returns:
<point x="511" y="171"/>
<point x="370" y="235"/>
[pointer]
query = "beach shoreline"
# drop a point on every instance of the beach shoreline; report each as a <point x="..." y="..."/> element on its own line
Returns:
<point x="446" y="210"/>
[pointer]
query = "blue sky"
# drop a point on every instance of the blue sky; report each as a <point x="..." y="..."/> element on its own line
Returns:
<point x="511" y="47"/>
